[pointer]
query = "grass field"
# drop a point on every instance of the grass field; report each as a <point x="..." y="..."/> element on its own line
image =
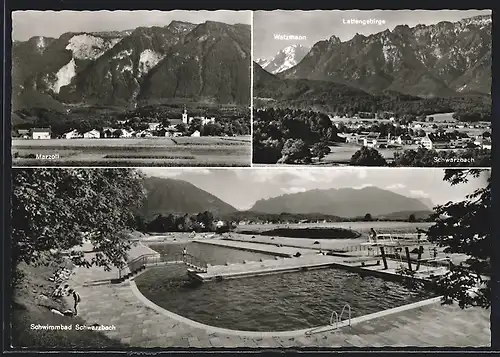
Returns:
<point x="383" y="227"/>
<point x="181" y="151"/>
<point x="342" y="153"/>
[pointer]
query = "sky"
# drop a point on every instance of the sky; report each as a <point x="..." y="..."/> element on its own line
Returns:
<point x="26" y="24"/>
<point x="241" y="188"/>
<point x="319" y="25"/>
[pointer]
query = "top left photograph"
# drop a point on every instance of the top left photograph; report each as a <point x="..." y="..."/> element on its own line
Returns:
<point x="131" y="88"/>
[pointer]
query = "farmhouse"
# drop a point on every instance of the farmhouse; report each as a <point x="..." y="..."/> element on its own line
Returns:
<point x="404" y="139"/>
<point x="437" y="140"/>
<point x="349" y="138"/>
<point x="41" y="133"/>
<point x="484" y="143"/>
<point x="371" y="140"/>
<point x="143" y="134"/>
<point x="23" y="133"/>
<point x="107" y="132"/>
<point x="196" y="134"/>
<point x="92" y="134"/>
<point x="71" y="134"/>
<point x="154" y="126"/>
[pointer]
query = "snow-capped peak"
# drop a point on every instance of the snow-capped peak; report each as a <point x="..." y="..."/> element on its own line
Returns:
<point x="287" y="58"/>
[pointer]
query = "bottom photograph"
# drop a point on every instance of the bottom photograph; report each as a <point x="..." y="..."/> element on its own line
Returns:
<point x="250" y="258"/>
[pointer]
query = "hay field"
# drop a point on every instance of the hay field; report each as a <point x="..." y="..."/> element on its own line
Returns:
<point x="181" y="151"/>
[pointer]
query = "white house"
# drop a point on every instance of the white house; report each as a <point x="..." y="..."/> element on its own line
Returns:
<point x="71" y="134"/>
<point x="219" y="224"/>
<point x="484" y="143"/>
<point x="23" y="133"/>
<point x="143" y="134"/>
<point x="92" y="134"/>
<point x="122" y="133"/>
<point x="404" y="139"/>
<point x="172" y="132"/>
<point x="371" y="139"/>
<point x="196" y="134"/>
<point x="205" y="121"/>
<point x="154" y="126"/>
<point x="41" y="133"/>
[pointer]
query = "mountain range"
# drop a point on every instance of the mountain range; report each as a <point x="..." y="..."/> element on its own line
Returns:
<point x="444" y="59"/>
<point x="344" y="202"/>
<point x="204" y="62"/>
<point x="284" y="59"/>
<point x="166" y="195"/>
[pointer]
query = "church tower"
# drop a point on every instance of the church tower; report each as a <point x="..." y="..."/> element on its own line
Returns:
<point x="185" y="119"/>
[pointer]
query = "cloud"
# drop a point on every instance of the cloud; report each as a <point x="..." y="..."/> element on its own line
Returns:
<point x="395" y="186"/>
<point x="419" y="193"/>
<point x="293" y="189"/>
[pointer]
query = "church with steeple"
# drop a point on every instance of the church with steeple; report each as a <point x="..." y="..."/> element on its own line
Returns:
<point x="185" y="118"/>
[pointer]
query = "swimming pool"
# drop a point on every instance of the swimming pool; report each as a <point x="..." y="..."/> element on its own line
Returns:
<point x="278" y="302"/>
<point x="214" y="255"/>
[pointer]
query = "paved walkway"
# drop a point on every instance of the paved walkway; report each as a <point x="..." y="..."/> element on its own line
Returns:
<point x="257" y="247"/>
<point x="140" y="323"/>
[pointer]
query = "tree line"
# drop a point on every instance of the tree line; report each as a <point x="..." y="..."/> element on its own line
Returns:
<point x="291" y="136"/>
<point x="343" y="100"/>
<point x="200" y="222"/>
<point x="83" y="121"/>
<point x="422" y="157"/>
<point x="294" y="218"/>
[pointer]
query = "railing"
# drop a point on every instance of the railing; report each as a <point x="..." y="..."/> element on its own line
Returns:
<point x="335" y="320"/>
<point x="195" y="262"/>
<point x="342" y="313"/>
<point x="334" y="313"/>
<point x="149" y="259"/>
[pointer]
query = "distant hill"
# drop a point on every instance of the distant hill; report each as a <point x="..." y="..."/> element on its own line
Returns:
<point x="179" y="197"/>
<point x="343" y="97"/>
<point x="345" y="202"/>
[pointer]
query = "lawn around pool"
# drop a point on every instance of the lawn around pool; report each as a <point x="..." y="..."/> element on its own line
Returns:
<point x="31" y="304"/>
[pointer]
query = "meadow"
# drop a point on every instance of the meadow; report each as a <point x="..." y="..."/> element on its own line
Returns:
<point x="180" y="151"/>
<point x="383" y="227"/>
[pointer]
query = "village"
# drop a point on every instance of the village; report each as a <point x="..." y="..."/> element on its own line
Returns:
<point x="427" y="132"/>
<point x="175" y="128"/>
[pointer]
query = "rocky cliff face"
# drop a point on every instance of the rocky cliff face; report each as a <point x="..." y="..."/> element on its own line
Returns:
<point x="285" y="59"/>
<point x="437" y="60"/>
<point x="209" y="60"/>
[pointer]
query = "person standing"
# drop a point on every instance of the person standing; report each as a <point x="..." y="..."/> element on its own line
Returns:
<point x="76" y="299"/>
<point x="373" y="235"/>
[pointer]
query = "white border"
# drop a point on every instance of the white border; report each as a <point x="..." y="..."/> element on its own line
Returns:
<point x="251" y="88"/>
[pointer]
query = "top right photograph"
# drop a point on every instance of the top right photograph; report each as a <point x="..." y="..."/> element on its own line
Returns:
<point x="372" y="88"/>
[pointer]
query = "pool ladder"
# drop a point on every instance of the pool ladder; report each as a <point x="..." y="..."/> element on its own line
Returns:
<point x="335" y="320"/>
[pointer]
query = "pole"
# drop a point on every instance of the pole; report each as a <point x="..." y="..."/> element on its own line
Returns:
<point x="420" y="251"/>
<point x="407" y="250"/>
<point x="384" y="259"/>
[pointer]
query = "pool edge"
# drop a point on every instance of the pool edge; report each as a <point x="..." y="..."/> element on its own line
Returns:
<point x="292" y="333"/>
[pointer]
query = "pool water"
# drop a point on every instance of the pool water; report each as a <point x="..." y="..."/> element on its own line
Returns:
<point x="214" y="255"/>
<point x="278" y="302"/>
